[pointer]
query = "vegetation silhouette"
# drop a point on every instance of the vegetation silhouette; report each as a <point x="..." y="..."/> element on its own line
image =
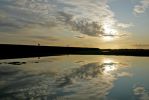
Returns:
<point x="9" y="51"/>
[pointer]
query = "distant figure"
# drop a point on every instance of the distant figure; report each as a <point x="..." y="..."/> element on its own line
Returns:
<point x="38" y="44"/>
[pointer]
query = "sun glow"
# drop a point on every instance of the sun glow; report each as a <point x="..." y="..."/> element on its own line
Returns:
<point x="110" y="33"/>
<point x="108" y="38"/>
<point x="107" y="61"/>
<point x="109" y="65"/>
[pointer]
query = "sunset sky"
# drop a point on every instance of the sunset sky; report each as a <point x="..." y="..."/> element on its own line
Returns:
<point x="85" y="23"/>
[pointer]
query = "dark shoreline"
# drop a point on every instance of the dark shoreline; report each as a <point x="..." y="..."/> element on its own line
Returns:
<point x="10" y="51"/>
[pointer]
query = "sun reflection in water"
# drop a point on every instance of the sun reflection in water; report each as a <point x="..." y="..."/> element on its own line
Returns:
<point x="109" y="65"/>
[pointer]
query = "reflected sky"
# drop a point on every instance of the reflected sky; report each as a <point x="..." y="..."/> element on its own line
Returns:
<point x="74" y="77"/>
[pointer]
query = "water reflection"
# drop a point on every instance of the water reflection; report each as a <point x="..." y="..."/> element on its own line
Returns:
<point x="109" y="65"/>
<point x="92" y="70"/>
<point x="72" y="78"/>
<point x="141" y="93"/>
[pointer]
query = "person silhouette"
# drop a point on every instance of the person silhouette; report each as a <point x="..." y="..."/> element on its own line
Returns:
<point x="38" y="44"/>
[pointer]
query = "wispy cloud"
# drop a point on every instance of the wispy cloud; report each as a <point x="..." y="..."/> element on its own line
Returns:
<point x="141" y="45"/>
<point x="140" y="8"/>
<point x="85" y="16"/>
<point x="123" y="25"/>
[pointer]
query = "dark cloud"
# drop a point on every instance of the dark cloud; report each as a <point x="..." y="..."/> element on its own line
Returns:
<point x="91" y="29"/>
<point x="5" y="27"/>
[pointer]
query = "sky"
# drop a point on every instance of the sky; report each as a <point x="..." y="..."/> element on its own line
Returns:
<point x="78" y="23"/>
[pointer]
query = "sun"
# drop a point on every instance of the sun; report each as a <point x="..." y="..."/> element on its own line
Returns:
<point x="110" y="33"/>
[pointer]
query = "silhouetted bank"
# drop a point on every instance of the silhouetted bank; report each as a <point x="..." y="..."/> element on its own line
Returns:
<point x="8" y="51"/>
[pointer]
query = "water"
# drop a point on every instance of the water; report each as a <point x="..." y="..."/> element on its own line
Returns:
<point x="75" y="77"/>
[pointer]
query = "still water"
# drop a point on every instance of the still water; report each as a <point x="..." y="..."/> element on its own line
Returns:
<point x="75" y="77"/>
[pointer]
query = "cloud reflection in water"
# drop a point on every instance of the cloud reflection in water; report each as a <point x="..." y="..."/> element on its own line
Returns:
<point x="94" y="80"/>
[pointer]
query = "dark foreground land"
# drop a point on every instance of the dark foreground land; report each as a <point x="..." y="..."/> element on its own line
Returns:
<point x="9" y="51"/>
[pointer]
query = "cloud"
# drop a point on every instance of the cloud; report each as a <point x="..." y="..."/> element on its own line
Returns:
<point x="91" y="79"/>
<point x="139" y="90"/>
<point x="123" y="25"/>
<point x="79" y="36"/>
<point x="124" y="74"/>
<point x="141" y="93"/>
<point x="86" y="16"/>
<point x="144" y="4"/>
<point x="59" y="85"/>
<point x="91" y="74"/>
